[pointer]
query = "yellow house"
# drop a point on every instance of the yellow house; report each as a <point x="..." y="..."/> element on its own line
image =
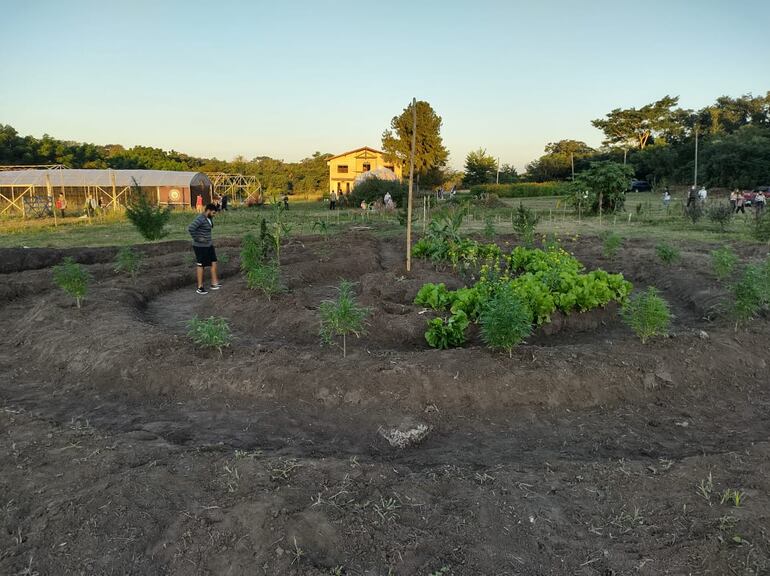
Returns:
<point x="345" y="167"/>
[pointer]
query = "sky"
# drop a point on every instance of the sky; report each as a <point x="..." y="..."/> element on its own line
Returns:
<point x="285" y="79"/>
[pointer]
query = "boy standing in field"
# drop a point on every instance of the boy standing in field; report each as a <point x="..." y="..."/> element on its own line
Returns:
<point x="203" y="246"/>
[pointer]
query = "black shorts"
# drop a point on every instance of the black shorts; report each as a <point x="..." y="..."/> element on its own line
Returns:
<point x="204" y="255"/>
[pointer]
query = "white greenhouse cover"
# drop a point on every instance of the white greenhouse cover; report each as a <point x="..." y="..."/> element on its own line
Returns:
<point x="103" y="178"/>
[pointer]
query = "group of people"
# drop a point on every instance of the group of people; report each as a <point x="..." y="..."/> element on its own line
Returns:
<point x="342" y="199"/>
<point x="91" y="207"/>
<point x="738" y="201"/>
<point x="695" y="195"/>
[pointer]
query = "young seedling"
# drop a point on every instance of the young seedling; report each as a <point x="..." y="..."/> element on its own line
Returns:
<point x="749" y="295"/>
<point x="211" y="332"/>
<point x="342" y="316"/>
<point x="505" y="321"/>
<point x="647" y="314"/>
<point x="72" y="278"/>
<point x="611" y="243"/>
<point x="128" y="261"/>
<point x="266" y="277"/>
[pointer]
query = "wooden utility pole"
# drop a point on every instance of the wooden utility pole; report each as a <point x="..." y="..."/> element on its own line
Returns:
<point x="411" y="184"/>
<point x="695" y="178"/>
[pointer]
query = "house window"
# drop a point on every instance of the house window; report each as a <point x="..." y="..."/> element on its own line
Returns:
<point x="367" y="167"/>
<point x="342" y="169"/>
<point x="390" y="168"/>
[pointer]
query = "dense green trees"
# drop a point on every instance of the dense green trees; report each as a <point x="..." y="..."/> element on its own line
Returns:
<point x="480" y="168"/>
<point x="658" y="141"/>
<point x="430" y="152"/>
<point x="308" y="175"/>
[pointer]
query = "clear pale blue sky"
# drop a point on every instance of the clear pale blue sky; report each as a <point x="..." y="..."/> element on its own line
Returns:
<point x="285" y="79"/>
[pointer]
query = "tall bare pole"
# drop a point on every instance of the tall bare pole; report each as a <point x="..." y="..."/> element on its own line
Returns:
<point x="49" y="192"/>
<point x="411" y="184"/>
<point x="695" y="182"/>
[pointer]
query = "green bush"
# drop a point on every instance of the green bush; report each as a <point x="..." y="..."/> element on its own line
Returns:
<point x="266" y="277"/>
<point x="749" y="294"/>
<point x="611" y="243"/>
<point x="694" y="212"/>
<point x="128" y="261"/>
<point x="524" y="223"/>
<point x="647" y="314"/>
<point x="667" y="253"/>
<point x="211" y="332"/>
<point x="149" y="219"/>
<point x="723" y="262"/>
<point x="449" y="332"/>
<point x="721" y="214"/>
<point x="505" y="320"/>
<point x="374" y="189"/>
<point x="520" y="189"/>
<point x="253" y="252"/>
<point x="72" y="278"/>
<point x="435" y="296"/>
<point x="342" y="316"/>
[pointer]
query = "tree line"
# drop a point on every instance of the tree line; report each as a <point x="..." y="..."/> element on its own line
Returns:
<point x="306" y="176"/>
<point x="657" y="141"/>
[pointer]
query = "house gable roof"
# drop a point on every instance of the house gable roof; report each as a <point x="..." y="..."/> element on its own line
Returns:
<point x="361" y="149"/>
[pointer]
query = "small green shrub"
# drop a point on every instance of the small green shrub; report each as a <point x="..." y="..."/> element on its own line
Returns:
<point x="435" y="296"/>
<point x="505" y="321"/>
<point x="723" y="262"/>
<point x="253" y="252"/>
<point x="210" y="332"/>
<point x="266" y="277"/>
<point x="524" y="223"/>
<point x="342" y="316"/>
<point x="749" y="294"/>
<point x="149" y="219"/>
<point x="128" y="261"/>
<point x="611" y="243"/>
<point x="449" y="332"/>
<point x="489" y="227"/>
<point x="72" y="278"/>
<point x="668" y="254"/>
<point x="647" y="314"/>
<point x="720" y="214"/>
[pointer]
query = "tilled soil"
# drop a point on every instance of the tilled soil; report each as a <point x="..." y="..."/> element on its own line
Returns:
<point x="127" y="450"/>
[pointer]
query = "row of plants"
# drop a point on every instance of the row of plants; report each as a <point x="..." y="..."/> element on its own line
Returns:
<point x="521" y="189"/>
<point x="533" y="283"/>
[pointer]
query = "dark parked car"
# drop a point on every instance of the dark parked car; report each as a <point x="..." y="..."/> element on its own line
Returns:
<point x="640" y="186"/>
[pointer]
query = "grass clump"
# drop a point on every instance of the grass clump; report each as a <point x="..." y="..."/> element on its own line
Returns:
<point x="761" y="230"/>
<point x="647" y="314"/>
<point x="72" y="278"/>
<point x="210" y="332"/>
<point x="128" y="261"/>
<point x="723" y="262"/>
<point x="265" y="277"/>
<point x="611" y="243"/>
<point x="505" y="321"/>
<point x="342" y="316"/>
<point x="149" y="220"/>
<point x="668" y="254"/>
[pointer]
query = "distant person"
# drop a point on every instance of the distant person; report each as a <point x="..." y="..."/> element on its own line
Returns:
<point x="759" y="203"/>
<point x="199" y="203"/>
<point x="333" y="200"/>
<point x="702" y="195"/>
<point x="734" y="200"/>
<point x="61" y="204"/>
<point x="388" y="199"/>
<point x="666" y="198"/>
<point x="285" y="201"/>
<point x="225" y="200"/>
<point x="203" y="246"/>
<point x="363" y="205"/>
<point x="740" y="203"/>
<point x="692" y="196"/>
